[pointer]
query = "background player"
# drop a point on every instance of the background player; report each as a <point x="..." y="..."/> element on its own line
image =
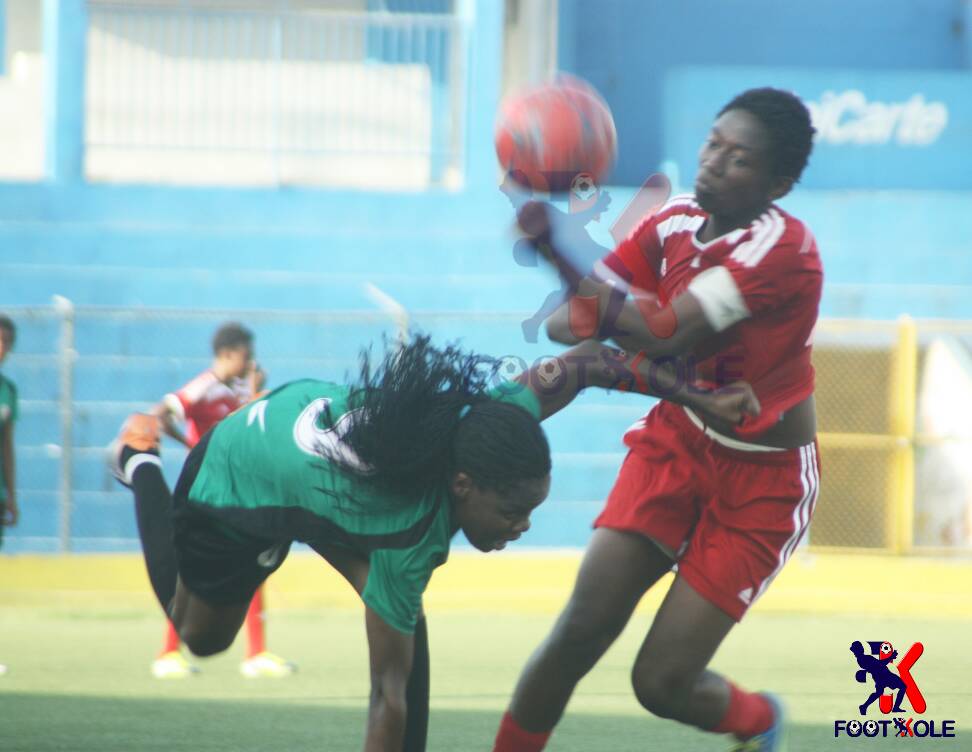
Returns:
<point x="377" y="477"/>
<point x="231" y="381"/>
<point x="728" y="503"/>
<point x="9" y="512"/>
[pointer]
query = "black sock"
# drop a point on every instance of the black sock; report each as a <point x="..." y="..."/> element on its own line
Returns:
<point x="417" y="692"/>
<point x="153" y="512"/>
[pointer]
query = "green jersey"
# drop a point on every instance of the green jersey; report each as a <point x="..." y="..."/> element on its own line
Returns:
<point x="8" y="415"/>
<point x="266" y="472"/>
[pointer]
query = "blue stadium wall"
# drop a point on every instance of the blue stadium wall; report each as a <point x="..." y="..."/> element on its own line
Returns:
<point x="886" y="251"/>
<point x="626" y="48"/>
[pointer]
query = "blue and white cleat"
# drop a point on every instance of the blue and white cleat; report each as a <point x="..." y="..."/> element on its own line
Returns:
<point x="771" y="740"/>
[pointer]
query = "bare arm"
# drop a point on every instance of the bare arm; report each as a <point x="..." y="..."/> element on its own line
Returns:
<point x="390" y="654"/>
<point x="167" y="420"/>
<point x="11" y="512"/>
<point x="636" y="322"/>
<point x="592" y="364"/>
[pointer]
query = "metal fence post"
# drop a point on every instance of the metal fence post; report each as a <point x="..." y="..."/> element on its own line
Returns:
<point x="903" y="397"/>
<point x="68" y="355"/>
<point x="277" y="111"/>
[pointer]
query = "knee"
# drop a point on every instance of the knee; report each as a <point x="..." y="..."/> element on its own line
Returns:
<point x="582" y="632"/>
<point x="204" y="643"/>
<point x="662" y="692"/>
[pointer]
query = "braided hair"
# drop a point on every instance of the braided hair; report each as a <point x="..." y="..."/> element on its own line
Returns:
<point x="424" y="413"/>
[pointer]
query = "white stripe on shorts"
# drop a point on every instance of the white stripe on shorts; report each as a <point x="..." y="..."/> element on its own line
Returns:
<point x="802" y="513"/>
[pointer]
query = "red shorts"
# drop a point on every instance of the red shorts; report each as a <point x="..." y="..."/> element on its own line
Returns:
<point x="731" y="517"/>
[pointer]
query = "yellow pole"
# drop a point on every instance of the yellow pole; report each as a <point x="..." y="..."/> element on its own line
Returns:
<point x="903" y="396"/>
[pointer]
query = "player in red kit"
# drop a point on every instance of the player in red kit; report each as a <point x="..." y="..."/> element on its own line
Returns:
<point x="727" y="285"/>
<point x="229" y="383"/>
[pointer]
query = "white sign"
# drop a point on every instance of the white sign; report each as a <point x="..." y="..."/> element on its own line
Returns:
<point x="847" y="117"/>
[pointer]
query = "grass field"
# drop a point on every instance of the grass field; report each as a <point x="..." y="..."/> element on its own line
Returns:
<point x="79" y="680"/>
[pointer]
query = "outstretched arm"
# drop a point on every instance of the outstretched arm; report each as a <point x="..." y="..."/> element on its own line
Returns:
<point x="636" y="322"/>
<point x="604" y="310"/>
<point x="593" y="364"/>
<point x="167" y="420"/>
<point x="390" y="653"/>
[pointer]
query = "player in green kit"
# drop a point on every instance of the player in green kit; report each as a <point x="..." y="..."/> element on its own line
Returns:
<point x="9" y="511"/>
<point x="377" y="477"/>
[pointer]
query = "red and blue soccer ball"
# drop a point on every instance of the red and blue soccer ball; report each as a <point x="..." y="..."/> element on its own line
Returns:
<point x="547" y="136"/>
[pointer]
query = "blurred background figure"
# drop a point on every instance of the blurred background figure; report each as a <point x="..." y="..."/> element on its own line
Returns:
<point x="9" y="512"/>
<point x="232" y="379"/>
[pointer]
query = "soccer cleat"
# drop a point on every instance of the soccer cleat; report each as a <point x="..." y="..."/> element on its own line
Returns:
<point x="266" y="665"/>
<point x="771" y="740"/>
<point x="173" y="665"/>
<point x="139" y="435"/>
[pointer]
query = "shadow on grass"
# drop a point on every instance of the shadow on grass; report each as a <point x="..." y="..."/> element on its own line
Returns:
<point x="45" y="723"/>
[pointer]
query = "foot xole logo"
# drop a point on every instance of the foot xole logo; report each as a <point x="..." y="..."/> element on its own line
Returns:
<point x="891" y="689"/>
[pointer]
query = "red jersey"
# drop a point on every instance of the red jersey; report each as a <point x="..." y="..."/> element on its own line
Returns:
<point x="205" y="401"/>
<point x="759" y="287"/>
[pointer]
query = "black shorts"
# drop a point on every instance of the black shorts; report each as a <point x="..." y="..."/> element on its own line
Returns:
<point x="218" y="563"/>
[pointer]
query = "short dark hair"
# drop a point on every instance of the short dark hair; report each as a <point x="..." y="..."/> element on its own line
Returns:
<point x="7" y="323"/>
<point x="787" y="120"/>
<point x="232" y="334"/>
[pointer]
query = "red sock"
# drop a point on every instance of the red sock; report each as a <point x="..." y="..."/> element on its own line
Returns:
<point x="512" y="738"/>
<point x="254" y="625"/>
<point x="748" y="714"/>
<point x="171" y="639"/>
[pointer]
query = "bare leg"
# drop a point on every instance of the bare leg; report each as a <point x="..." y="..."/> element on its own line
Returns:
<point x="617" y="570"/>
<point x="204" y="628"/>
<point x="669" y="674"/>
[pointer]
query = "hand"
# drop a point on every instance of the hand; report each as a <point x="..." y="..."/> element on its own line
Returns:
<point x="11" y="513"/>
<point x="534" y="219"/>
<point x="256" y="377"/>
<point x="732" y="403"/>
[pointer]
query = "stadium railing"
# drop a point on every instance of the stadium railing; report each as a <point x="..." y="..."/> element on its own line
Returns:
<point x="243" y="95"/>
<point x="891" y="400"/>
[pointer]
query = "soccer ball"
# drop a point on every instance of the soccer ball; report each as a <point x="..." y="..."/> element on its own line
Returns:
<point x="870" y="727"/>
<point x="583" y="187"/>
<point x="854" y="728"/>
<point x="547" y="135"/>
<point x="550" y="371"/>
<point x="886" y="649"/>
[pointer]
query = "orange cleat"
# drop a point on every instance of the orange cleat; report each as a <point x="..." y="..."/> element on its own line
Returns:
<point x="139" y="436"/>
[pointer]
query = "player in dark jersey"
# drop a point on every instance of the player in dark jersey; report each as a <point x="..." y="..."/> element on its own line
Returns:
<point x="9" y="511"/>
<point x="377" y="477"/>
<point x="723" y="282"/>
